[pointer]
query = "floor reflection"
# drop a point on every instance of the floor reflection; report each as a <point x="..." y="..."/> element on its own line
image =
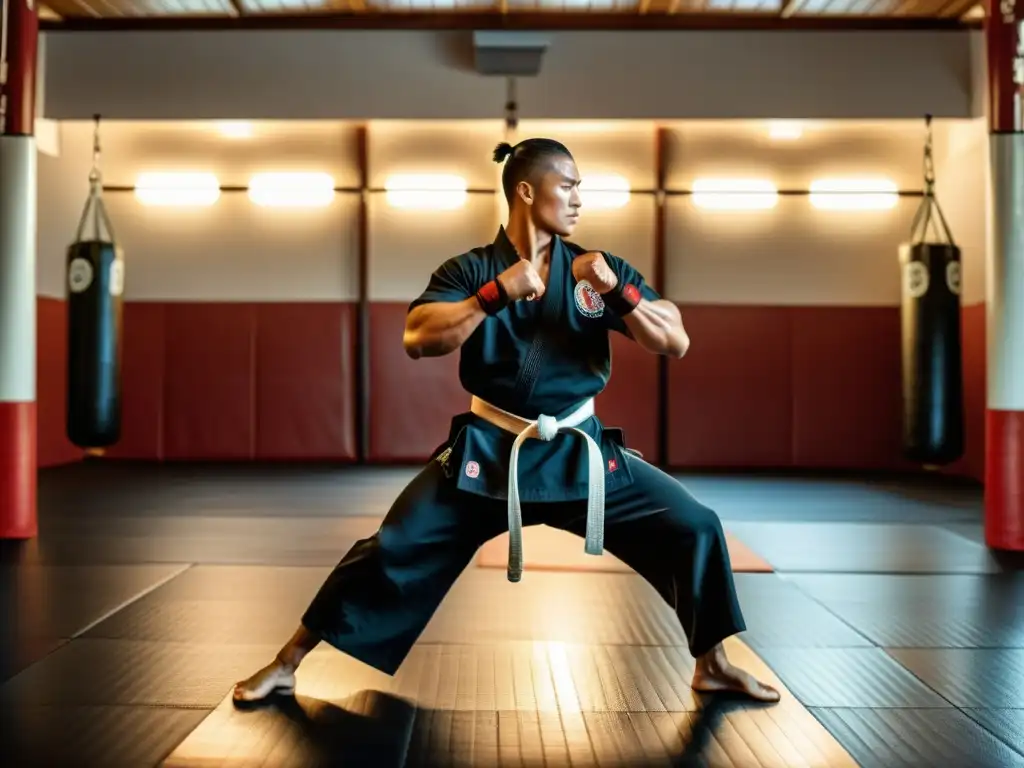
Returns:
<point x="377" y="730"/>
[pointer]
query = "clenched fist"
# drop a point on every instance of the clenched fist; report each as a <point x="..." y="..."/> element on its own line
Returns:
<point x="593" y="267"/>
<point x="522" y="281"/>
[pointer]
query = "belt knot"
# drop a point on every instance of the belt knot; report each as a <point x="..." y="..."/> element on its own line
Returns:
<point x="547" y="427"/>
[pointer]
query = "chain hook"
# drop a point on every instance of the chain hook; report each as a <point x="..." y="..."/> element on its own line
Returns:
<point x="929" y="202"/>
<point x="95" y="176"/>
<point x="929" y="163"/>
<point x="94" y="203"/>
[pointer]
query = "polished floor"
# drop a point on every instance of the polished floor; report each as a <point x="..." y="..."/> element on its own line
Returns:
<point x="897" y="637"/>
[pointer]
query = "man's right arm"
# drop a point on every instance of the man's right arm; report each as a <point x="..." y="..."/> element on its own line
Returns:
<point x="450" y="310"/>
<point x="441" y="327"/>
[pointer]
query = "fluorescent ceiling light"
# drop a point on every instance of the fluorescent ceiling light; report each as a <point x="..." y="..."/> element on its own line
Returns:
<point x="854" y="194"/>
<point x="291" y="190"/>
<point x="177" y="189"/>
<point x="433" y="192"/>
<point x="785" y="130"/>
<point x="735" y="194"/>
<point x="604" y="192"/>
<point x="235" y="129"/>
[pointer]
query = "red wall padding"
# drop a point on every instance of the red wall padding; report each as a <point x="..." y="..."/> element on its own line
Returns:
<point x="413" y="401"/>
<point x="730" y="399"/>
<point x="238" y="381"/>
<point x="305" y="381"/>
<point x="210" y="381"/>
<point x="142" y="383"/>
<point x="802" y="386"/>
<point x="847" y="396"/>
<point x="630" y="401"/>
<point x="52" y="444"/>
<point x="760" y="387"/>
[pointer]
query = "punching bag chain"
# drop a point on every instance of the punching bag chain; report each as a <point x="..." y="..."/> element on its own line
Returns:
<point x="95" y="176"/>
<point x="929" y="161"/>
<point x="94" y="203"/>
<point x="929" y="203"/>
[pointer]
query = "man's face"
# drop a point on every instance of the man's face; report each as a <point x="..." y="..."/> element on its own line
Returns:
<point x="555" y="195"/>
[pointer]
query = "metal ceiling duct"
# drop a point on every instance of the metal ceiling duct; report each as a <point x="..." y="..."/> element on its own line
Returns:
<point x="509" y="54"/>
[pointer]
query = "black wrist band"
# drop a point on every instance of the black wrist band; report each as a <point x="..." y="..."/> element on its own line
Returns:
<point x="492" y="297"/>
<point x="622" y="299"/>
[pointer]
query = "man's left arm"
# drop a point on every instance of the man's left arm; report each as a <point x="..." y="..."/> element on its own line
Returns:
<point x="657" y="325"/>
<point x="635" y="309"/>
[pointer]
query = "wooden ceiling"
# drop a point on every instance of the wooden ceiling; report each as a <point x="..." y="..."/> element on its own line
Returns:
<point x="510" y="14"/>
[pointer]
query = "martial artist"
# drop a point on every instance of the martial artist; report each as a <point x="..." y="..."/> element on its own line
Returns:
<point x="531" y="315"/>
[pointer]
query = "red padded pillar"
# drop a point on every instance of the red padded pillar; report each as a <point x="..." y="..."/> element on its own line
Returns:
<point x="18" y="275"/>
<point x="1004" y="434"/>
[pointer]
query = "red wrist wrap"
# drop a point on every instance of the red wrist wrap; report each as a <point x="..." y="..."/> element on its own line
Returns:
<point x="492" y="297"/>
<point x="622" y="299"/>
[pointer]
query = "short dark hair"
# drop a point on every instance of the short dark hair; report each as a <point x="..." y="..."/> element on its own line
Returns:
<point x="524" y="160"/>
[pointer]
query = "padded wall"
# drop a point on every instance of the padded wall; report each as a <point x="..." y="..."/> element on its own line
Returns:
<point x="238" y="380"/>
<point x="240" y="321"/>
<point x="794" y="311"/>
<point x="52" y="443"/>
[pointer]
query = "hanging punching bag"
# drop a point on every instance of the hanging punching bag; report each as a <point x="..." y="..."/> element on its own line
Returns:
<point x="933" y="412"/>
<point x="95" y="283"/>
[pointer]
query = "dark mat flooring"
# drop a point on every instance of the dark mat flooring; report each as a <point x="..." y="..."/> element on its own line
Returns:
<point x="151" y="589"/>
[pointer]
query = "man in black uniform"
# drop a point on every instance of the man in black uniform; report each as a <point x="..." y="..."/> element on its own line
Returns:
<point x="531" y="315"/>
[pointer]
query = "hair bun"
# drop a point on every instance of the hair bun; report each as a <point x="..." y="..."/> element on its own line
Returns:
<point x="502" y="151"/>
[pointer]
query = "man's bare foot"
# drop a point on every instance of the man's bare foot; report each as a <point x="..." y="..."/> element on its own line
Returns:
<point x="715" y="673"/>
<point x="279" y="675"/>
<point x="276" y="677"/>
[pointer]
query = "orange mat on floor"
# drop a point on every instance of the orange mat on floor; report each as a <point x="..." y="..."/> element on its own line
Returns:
<point x="550" y="549"/>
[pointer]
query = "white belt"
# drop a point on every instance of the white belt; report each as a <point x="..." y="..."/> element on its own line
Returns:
<point x="545" y="428"/>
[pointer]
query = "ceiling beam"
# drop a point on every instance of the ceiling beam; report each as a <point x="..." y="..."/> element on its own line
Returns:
<point x="617" y="22"/>
<point x="790" y="7"/>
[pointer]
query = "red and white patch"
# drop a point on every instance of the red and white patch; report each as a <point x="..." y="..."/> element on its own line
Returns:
<point x="612" y="465"/>
<point x="472" y="469"/>
<point x="588" y="301"/>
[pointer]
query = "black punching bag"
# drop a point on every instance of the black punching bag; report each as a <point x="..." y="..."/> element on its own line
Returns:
<point x="95" y="283"/>
<point x="95" y="274"/>
<point x="933" y="415"/>
<point x="933" y="410"/>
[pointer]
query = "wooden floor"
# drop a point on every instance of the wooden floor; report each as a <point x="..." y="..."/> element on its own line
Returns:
<point x="898" y="639"/>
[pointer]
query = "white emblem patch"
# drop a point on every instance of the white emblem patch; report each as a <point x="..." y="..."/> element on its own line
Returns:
<point x="953" y="277"/>
<point x="915" y="279"/>
<point x="79" y="275"/>
<point x="588" y="301"/>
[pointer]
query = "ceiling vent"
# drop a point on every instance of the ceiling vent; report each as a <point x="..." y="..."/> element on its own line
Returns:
<point x="509" y="54"/>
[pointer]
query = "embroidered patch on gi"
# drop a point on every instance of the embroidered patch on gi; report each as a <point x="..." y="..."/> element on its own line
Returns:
<point x="612" y="465"/>
<point x="472" y="469"/>
<point x="588" y="301"/>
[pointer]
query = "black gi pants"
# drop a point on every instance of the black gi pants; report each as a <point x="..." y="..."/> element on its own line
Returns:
<point x="380" y="597"/>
